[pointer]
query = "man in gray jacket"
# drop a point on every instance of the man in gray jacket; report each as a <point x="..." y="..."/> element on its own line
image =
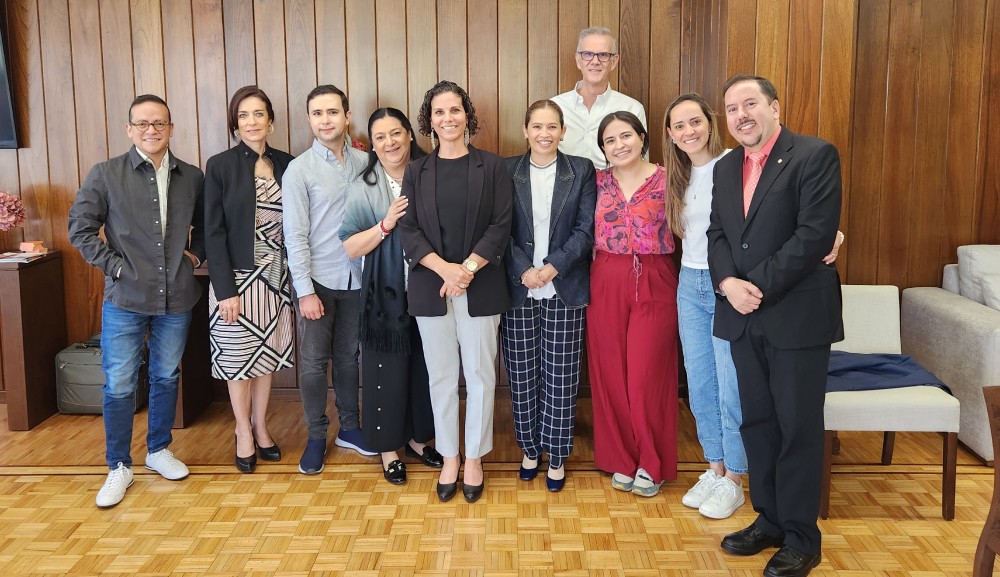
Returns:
<point x="150" y="206"/>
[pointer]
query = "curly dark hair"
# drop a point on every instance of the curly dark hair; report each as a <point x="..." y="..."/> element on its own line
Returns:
<point x="424" y="119"/>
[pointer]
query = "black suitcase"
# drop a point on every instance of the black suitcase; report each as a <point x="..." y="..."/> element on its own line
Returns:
<point x="79" y="379"/>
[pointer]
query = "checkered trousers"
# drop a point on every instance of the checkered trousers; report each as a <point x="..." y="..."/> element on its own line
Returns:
<point x="542" y="342"/>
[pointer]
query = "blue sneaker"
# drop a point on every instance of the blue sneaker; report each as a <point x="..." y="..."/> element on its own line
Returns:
<point x="311" y="462"/>
<point x="352" y="440"/>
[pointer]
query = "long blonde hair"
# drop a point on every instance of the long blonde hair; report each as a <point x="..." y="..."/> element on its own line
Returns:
<point x="678" y="164"/>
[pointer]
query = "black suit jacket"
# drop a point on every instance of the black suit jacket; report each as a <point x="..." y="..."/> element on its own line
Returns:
<point x="779" y="246"/>
<point x="230" y="212"/>
<point x="571" y="228"/>
<point x="487" y="230"/>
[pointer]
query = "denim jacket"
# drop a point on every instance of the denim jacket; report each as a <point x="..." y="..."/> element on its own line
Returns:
<point x="571" y="229"/>
<point x="145" y="271"/>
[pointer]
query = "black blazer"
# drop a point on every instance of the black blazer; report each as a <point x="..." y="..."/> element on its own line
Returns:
<point x="230" y="212"/>
<point x="571" y="228"/>
<point x="487" y="231"/>
<point x="779" y="246"/>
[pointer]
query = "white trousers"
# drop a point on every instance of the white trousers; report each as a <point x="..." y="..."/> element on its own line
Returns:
<point x="447" y="340"/>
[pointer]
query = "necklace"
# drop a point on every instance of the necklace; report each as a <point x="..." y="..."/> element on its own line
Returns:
<point x="542" y="166"/>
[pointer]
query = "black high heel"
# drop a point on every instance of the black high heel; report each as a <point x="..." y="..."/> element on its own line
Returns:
<point x="272" y="453"/>
<point x="245" y="464"/>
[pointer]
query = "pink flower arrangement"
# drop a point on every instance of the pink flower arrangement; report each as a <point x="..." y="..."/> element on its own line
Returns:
<point x="11" y="211"/>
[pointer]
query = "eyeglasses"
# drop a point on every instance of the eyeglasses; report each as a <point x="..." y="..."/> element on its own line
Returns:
<point x="142" y="125"/>
<point x="587" y="55"/>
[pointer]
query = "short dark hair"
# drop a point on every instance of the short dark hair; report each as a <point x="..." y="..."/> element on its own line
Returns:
<point x="328" y="89"/>
<point x="144" y="98"/>
<point x="368" y="174"/>
<point x="766" y="87"/>
<point x="628" y="118"/>
<point x="242" y="94"/>
<point x="424" y="119"/>
<point x="539" y="105"/>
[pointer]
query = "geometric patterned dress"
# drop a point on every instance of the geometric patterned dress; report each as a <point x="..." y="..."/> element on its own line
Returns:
<point x="260" y="341"/>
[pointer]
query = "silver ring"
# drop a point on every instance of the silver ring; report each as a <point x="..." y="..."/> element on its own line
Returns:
<point x="461" y="286"/>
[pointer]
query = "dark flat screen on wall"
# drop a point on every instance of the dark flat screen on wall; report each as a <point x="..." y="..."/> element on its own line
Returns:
<point x="8" y="130"/>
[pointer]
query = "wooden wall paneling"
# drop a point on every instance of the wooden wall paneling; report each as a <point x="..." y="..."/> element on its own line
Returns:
<point x="331" y="47"/>
<point x="300" y="39"/>
<point x="664" y="68"/>
<point x="867" y="146"/>
<point x="64" y="175"/>
<point x="967" y="84"/>
<point x="147" y="47"/>
<point x="422" y="61"/>
<point x="240" y="39"/>
<point x="711" y="85"/>
<point x="633" y="42"/>
<point x="210" y="77"/>
<point x="801" y="97"/>
<point x="930" y="143"/>
<point x="772" y="42"/>
<point x="896" y="224"/>
<point x="393" y="90"/>
<point x="741" y="45"/>
<point x="573" y="17"/>
<point x="686" y="37"/>
<point x="607" y="13"/>
<point x="513" y="68"/>
<point x="543" y="50"/>
<point x="119" y="83"/>
<point x="362" y="71"/>
<point x="986" y="226"/>
<point x="483" y="63"/>
<point x="182" y="93"/>
<point x="453" y="42"/>
<point x="32" y="161"/>
<point x="836" y="91"/>
<point x="269" y="36"/>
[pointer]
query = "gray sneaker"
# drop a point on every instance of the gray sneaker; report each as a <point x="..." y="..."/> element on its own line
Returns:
<point x="644" y="485"/>
<point x="622" y="482"/>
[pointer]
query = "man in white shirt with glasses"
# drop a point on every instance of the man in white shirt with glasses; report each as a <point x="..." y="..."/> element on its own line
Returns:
<point x="593" y="98"/>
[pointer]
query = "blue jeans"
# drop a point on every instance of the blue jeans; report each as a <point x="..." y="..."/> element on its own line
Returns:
<point x="713" y="392"/>
<point x="122" y="337"/>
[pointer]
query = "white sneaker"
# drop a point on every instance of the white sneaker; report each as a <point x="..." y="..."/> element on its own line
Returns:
<point x="702" y="489"/>
<point x="644" y="485"/>
<point x="164" y="463"/>
<point x="725" y="499"/>
<point x="113" y="491"/>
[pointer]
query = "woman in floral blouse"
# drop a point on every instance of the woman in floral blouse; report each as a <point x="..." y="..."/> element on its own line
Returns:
<point x="632" y="320"/>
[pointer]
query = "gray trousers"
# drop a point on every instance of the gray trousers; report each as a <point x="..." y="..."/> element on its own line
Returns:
<point x="447" y="340"/>
<point x="334" y="336"/>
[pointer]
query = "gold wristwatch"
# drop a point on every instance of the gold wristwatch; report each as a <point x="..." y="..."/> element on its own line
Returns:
<point x="470" y="265"/>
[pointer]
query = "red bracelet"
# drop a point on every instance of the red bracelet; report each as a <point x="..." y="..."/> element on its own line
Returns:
<point x="385" y="230"/>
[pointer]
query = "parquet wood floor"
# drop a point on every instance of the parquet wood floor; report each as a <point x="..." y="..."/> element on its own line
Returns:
<point x="348" y="521"/>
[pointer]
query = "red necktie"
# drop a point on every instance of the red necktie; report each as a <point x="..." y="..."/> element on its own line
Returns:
<point x="756" y="167"/>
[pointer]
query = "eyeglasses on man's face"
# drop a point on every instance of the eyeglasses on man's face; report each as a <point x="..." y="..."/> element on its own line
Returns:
<point x="142" y="125"/>
<point x="587" y="55"/>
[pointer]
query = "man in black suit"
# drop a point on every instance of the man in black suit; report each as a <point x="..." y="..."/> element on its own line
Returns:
<point x="775" y="211"/>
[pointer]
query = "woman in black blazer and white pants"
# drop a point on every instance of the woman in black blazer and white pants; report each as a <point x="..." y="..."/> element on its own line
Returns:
<point x="454" y="234"/>
<point x="548" y="273"/>
<point x="250" y="317"/>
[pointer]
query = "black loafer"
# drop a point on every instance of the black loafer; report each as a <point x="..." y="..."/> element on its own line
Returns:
<point x="790" y="562"/>
<point x="272" y="453"/>
<point x="528" y="474"/>
<point x="246" y="464"/>
<point x="555" y="485"/>
<point x="446" y="491"/>
<point x="395" y="473"/>
<point x="472" y="493"/>
<point x="749" y="541"/>
<point x="431" y="458"/>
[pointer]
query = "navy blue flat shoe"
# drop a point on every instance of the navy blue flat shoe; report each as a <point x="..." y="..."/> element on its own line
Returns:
<point x="554" y="485"/>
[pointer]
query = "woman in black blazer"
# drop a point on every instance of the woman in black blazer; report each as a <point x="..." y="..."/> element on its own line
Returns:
<point x="250" y="322"/>
<point x="454" y="234"/>
<point x="548" y="266"/>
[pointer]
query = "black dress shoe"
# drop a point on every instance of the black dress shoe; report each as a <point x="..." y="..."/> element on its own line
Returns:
<point x="472" y="493"/>
<point x="272" y="453"/>
<point x="749" y="541"/>
<point x="790" y="562"/>
<point x="431" y="458"/>
<point x="246" y="464"/>
<point x="446" y="491"/>
<point x="395" y="473"/>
